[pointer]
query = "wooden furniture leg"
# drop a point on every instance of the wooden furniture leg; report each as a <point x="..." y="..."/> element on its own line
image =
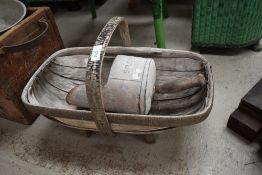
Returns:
<point x="88" y="133"/>
<point x="92" y="8"/>
<point x="150" y="138"/>
<point x="132" y="4"/>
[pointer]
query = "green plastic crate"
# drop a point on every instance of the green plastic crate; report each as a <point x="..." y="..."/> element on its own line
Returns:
<point x="226" y="23"/>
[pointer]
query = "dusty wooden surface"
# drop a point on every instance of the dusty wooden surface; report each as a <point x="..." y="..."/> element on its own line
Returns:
<point x="18" y="65"/>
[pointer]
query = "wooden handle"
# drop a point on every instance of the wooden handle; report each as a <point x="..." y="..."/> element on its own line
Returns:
<point x="28" y="44"/>
<point x="180" y="85"/>
<point x="94" y="70"/>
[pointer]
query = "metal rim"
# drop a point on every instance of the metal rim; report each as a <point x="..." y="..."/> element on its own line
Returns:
<point x="21" y="17"/>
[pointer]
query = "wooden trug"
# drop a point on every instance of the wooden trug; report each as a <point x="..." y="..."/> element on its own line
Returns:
<point x="46" y="91"/>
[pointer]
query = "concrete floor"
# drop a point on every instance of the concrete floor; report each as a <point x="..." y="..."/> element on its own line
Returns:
<point x="204" y="149"/>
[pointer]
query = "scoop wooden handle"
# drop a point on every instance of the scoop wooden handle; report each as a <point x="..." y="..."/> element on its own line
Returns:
<point x="180" y="85"/>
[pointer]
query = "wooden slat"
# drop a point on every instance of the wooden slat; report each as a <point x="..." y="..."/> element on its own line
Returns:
<point x="171" y="106"/>
<point x="124" y="128"/>
<point x="178" y="95"/>
<point x="178" y="64"/>
<point x="65" y="84"/>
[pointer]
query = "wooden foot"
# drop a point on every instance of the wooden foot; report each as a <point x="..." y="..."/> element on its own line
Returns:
<point x="150" y="138"/>
<point x="132" y="4"/>
<point x="88" y="133"/>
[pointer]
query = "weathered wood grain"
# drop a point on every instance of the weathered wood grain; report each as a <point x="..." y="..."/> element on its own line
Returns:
<point x="171" y="106"/>
<point x="187" y="107"/>
<point x="173" y="118"/>
<point x="60" y="82"/>
<point x="178" y="64"/>
<point x="177" y="95"/>
<point x="19" y="63"/>
<point x="177" y="85"/>
<point x="123" y="128"/>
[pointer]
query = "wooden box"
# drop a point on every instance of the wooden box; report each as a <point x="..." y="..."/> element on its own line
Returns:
<point x="23" y="49"/>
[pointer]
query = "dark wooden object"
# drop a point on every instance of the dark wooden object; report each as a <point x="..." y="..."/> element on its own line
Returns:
<point x="247" y="119"/>
<point x="244" y="124"/>
<point x="150" y="138"/>
<point x="253" y="99"/>
<point x="132" y="4"/>
<point x="22" y="50"/>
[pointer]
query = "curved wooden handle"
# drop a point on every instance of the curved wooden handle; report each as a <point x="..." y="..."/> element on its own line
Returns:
<point x="28" y="44"/>
<point x="94" y="70"/>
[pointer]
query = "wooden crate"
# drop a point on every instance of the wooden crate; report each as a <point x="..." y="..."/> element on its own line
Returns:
<point x="22" y="50"/>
